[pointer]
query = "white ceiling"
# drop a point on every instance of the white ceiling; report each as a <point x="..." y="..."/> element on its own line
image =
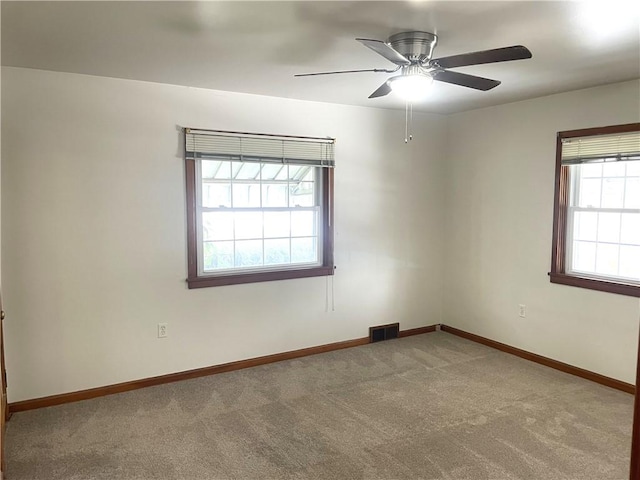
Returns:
<point x="256" y="47"/>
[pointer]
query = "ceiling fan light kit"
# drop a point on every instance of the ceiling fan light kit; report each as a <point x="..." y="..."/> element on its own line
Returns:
<point x="413" y="87"/>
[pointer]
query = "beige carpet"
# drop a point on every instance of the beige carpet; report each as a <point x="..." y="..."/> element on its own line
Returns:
<point x="432" y="406"/>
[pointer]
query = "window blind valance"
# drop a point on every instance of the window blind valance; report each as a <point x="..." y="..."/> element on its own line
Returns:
<point x="601" y="148"/>
<point x="251" y="147"/>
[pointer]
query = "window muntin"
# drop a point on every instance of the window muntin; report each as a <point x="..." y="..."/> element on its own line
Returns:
<point x="596" y="207"/>
<point x="258" y="216"/>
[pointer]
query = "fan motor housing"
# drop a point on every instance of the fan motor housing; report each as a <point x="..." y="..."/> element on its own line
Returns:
<point x="415" y="46"/>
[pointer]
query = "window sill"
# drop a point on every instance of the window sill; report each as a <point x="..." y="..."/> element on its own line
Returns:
<point x="592" y="284"/>
<point x="221" y="280"/>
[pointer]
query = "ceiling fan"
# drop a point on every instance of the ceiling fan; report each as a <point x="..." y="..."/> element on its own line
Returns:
<point x="411" y="53"/>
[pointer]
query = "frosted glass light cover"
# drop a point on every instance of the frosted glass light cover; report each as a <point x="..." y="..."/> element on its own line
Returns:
<point x="411" y="87"/>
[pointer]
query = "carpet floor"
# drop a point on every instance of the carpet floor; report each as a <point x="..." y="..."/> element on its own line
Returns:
<point x="431" y="406"/>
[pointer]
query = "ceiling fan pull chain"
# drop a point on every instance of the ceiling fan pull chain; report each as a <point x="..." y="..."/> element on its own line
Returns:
<point x="406" y="122"/>
<point x="410" y="121"/>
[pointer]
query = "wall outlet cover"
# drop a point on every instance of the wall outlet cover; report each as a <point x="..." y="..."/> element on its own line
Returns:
<point x="162" y="330"/>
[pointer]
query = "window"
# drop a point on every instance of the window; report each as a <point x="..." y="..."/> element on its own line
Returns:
<point x="259" y="207"/>
<point x="597" y="209"/>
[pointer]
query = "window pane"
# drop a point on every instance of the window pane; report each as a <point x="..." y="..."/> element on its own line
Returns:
<point x="277" y="224"/>
<point x="295" y="172"/>
<point x="270" y="170"/>
<point x="246" y="195"/>
<point x="274" y="195"/>
<point x="217" y="226"/>
<point x="590" y="192"/>
<point x="630" y="262"/>
<point x="584" y="256"/>
<point x="304" y="174"/>
<point x="216" y="195"/>
<point x="633" y="169"/>
<point x="630" y="228"/>
<point x="224" y="172"/>
<point x="304" y="250"/>
<point x="248" y="225"/>
<point x="235" y="168"/>
<point x="613" y="169"/>
<point x="310" y="175"/>
<point x="609" y="227"/>
<point x="586" y="226"/>
<point x="607" y="259"/>
<point x="302" y="195"/>
<point x="248" y="253"/>
<point x="303" y="224"/>
<point x="632" y="193"/>
<point x="283" y="174"/>
<point x="218" y="255"/>
<point x="612" y="192"/>
<point x="276" y="252"/>
<point x="209" y="168"/>
<point x="248" y="171"/>
<point x="591" y="170"/>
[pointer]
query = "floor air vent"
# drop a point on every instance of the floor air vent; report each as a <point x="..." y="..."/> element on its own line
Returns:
<point x="383" y="332"/>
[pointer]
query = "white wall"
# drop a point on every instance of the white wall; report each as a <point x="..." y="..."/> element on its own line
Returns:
<point x="500" y="181"/>
<point x="94" y="250"/>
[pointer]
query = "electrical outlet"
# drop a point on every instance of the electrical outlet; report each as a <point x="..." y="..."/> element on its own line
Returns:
<point x="523" y="310"/>
<point x="162" y="330"/>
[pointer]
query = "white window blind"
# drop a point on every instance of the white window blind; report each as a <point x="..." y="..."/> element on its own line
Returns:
<point x="601" y="148"/>
<point x="259" y="148"/>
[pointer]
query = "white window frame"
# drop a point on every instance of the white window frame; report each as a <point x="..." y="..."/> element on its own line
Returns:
<point x="200" y="209"/>
<point x="573" y="208"/>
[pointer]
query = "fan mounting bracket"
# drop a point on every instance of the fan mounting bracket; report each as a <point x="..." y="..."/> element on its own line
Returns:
<point x="417" y="47"/>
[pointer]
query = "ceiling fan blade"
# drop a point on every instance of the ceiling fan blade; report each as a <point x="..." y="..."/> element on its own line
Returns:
<point x="346" y="71"/>
<point x="464" y="80"/>
<point x="517" y="52"/>
<point x="382" y="90"/>
<point x="386" y="50"/>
